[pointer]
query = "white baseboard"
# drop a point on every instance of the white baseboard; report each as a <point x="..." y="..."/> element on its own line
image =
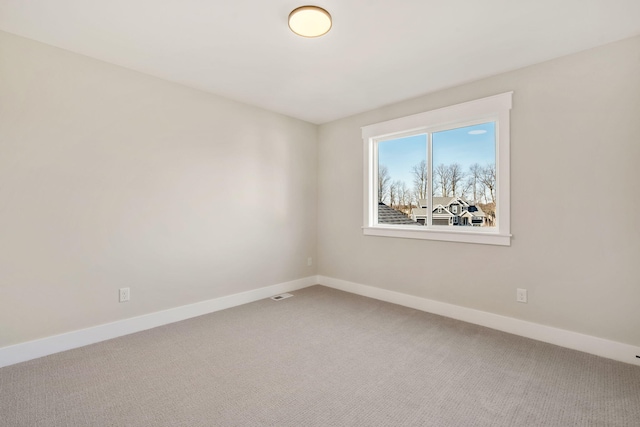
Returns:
<point x="573" y="340"/>
<point x="42" y="347"/>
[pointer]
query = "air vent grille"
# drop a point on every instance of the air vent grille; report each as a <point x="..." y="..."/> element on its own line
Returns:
<point x="281" y="296"/>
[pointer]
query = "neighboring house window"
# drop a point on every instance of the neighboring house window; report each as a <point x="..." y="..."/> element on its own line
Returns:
<point x="458" y="153"/>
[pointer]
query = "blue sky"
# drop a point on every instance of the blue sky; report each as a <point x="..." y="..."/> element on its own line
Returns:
<point x="455" y="145"/>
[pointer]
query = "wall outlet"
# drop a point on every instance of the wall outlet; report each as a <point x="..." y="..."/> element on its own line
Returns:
<point x="124" y="294"/>
<point x="309" y="261"/>
<point x="521" y="295"/>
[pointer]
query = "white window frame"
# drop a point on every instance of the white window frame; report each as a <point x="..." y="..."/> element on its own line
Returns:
<point x="495" y="109"/>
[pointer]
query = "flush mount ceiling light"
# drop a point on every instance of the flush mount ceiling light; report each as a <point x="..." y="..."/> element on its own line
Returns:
<point x="310" y="21"/>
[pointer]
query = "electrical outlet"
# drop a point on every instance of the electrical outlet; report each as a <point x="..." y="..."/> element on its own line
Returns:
<point x="124" y="294"/>
<point x="309" y="261"/>
<point x="521" y="295"/>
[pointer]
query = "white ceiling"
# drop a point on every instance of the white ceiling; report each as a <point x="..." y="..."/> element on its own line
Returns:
<point x="378" y="51"/>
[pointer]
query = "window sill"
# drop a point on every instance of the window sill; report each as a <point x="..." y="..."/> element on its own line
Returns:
<point x="477" y="237"/>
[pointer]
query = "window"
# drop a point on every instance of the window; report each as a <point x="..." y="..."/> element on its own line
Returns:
<point x="419" y="169"/>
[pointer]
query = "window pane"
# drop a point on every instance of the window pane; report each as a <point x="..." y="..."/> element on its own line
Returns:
<point x="464" y="176"/>
<point x="402" y="180"/>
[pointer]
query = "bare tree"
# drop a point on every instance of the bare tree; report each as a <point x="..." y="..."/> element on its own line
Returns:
<point x="443" y="175"/>
<point x="456" y="175"/>
<point x="406" y="198"/>
<point x="474" y="180"/>
<point x="394" y="193"/>
<point x="420" y="175"/>
<point x="488" y="179"/>
<point x="383" y="183"/>
<point x="466" y="192"/>
<point x="490" y="210"/>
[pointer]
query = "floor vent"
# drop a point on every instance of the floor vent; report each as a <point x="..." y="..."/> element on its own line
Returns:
<point x="281" y="296"/>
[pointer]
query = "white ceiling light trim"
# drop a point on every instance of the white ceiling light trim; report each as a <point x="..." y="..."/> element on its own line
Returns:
<point x="310" y="21"/>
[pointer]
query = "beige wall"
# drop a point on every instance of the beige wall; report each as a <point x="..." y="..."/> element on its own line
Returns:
<point x="110" y="178"/>
<point x="575" y="153"/>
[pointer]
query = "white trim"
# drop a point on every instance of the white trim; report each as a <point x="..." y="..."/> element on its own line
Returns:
<point x="473" y="235"/>
<point x="42" y="347"/>
<point x="474" y="110"/>
<point x="573" y="340"/>
<point x="560" y="337"/>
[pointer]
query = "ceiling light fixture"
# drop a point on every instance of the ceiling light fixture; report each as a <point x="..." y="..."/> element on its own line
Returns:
<point x="310" y="21"/>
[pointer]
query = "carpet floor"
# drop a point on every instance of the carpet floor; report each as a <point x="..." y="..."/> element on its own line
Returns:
<point x="321" y="358"/>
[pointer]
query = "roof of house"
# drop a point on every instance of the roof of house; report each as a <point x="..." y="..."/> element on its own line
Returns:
<point x="419" y="211"/>
<point x="422" y="212"/>
<point x="444" y="201"/>
<point x="446" y="213"/>
<point x="388" y="215"/>
<point x="476" y="211"/>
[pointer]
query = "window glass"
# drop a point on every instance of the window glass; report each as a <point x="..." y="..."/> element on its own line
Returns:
<point x="402" y="180"/>
<point x="464" y="169"/>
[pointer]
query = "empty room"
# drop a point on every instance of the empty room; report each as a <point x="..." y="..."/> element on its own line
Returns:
<point x="339" y="213"/>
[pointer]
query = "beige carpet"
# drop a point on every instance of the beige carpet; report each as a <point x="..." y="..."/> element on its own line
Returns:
<point x="321" y="358"/>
